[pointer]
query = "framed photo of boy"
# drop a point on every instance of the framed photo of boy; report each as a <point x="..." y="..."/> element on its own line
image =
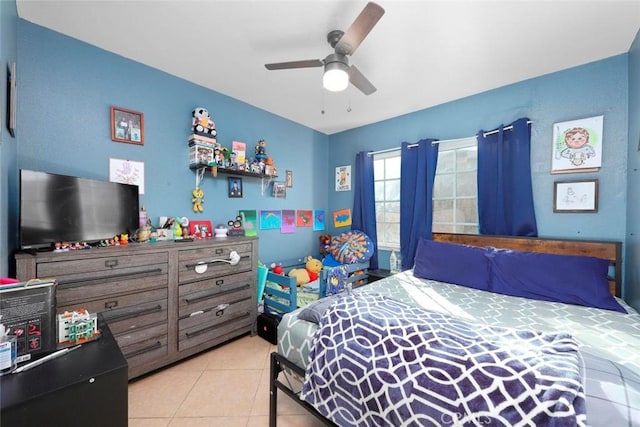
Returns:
<point x="235" y="187"/>
<point x="127" y="126"/>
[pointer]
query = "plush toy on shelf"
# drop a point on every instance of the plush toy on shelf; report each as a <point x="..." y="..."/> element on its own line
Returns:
<point x="261" y="150"/>
<point x="202" y="123"/>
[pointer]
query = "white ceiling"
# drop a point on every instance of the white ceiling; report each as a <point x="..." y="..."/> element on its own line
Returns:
<point x="420" y="54"/>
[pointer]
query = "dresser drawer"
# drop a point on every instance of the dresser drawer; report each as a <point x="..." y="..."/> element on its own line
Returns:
<point x="208" y="299"/>
<point x="133" y="339"/>
<point x="88" y="267"/>
<point x="144" y="352"/>
<point x="211" y="262"/>
<point x="195" y="330"/>
<point x="128" y="280"/>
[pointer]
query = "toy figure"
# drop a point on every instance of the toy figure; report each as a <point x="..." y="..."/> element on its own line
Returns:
<point x="198" y="199"/>
<point x="202" y="123"/>
<point x="261" y="150"/>
<point x="325" y="241"/>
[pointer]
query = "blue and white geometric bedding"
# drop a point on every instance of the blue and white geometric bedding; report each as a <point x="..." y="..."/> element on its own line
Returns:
<point x="609" y="342"/>
<point x="371" y="352"/>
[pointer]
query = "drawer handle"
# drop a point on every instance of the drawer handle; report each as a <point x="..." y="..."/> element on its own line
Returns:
<point x="216" y="326"/>
<point x="84" y="281"/>
<point x="124" y="316"/>
<point x="219" y="282"/>
<point x="219" y="251"/>
<point x="201" y="267"/>
<point x="220" y="309"/>
<point x="212" y="293"/>
<point x="111" y="263"/>
<point x="155" y="346"/>
<point x="110" y="304"/>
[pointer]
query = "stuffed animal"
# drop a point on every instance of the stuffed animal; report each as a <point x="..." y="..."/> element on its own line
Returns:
<point x="325" y="241"/>
<point x="277" y="269"/>
<point x="202" y="123"/>
<point x="301" y="275"/>
<point x="313" y="267"/>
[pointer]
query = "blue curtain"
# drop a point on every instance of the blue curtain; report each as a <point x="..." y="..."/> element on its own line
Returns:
<point x="417" y="173"/>
<point x="505" y="196"/>
<point x="364" y="202"/>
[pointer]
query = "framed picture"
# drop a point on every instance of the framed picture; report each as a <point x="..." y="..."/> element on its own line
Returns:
<point x="343" y="178"/>
<point x="289" y="179"/>
<point x="12" y="90"/>
<point x="279" y="190"/>
<point x="575" y="196"/>
<point x="200" y="229"/>
<point x="235" y="187"/>
<point x="127" y="126"/>
<point x="577" y="145"/>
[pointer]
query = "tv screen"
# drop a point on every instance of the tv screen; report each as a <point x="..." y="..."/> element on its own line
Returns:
<point x="60" y="208"/>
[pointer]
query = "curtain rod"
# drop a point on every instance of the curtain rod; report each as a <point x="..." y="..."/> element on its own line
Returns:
<point x="493" y="132"/>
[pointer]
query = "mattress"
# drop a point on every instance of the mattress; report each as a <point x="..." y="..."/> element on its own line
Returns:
<point x="609" y="341"/>
<point x="602" y="333"/>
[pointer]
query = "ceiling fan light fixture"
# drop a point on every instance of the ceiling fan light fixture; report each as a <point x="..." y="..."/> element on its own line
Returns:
<point x="336" y="77"/>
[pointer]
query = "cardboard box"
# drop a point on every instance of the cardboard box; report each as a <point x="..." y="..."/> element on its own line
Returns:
<point x="200" y="154"/>
<point x="28" y="310"/>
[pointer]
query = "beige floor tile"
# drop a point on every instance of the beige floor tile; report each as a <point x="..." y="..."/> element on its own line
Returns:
<point x="149" y="422"/>
<point x="209" y="422"/>
<point x="244" y="353"/>
<point x="299" y="421"/>
<point x="221" y="393"/>
<point x="161" y="394"/>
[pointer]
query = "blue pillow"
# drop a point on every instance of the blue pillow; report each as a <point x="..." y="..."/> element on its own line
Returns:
<point x="568" y="279"/>
<point x="452" y="263"/>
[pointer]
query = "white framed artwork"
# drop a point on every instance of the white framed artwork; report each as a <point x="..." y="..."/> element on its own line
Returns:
<point x="575" y="196"/>
<point x="343" y="178"/>
<point x="577" y="145"/>
<point x="127" y="172"/>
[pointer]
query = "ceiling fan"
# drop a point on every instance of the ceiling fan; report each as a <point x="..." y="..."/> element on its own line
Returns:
<point x="337" y="71"/>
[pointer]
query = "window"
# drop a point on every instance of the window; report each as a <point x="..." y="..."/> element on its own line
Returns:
<point x="386" y="174"/>
<point x="455" y="189"/>
<point x="455" y="192"/>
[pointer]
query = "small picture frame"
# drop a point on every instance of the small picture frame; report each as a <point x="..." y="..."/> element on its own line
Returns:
<point x="235" y="187"/>
<point x="127" y="126"/>
<point x="279" y="190"/>
<point x="575" y="196"/>
<point x="200" y="229"/>
<point x="289" y="179"/>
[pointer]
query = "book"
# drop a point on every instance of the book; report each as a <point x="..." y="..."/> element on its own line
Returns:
<point x="202" y="139"/>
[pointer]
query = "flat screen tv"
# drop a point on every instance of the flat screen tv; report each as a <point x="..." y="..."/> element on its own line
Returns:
<point x="59" y="208"/>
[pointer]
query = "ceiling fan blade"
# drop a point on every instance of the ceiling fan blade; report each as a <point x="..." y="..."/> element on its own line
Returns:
<point x="308" y="63"/>
<point x="360" y="81"/>
<point x="359" y="29"/>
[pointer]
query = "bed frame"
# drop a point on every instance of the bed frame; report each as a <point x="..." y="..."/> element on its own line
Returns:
<point x="285" y="299"/>
<point x="608" y="250"/>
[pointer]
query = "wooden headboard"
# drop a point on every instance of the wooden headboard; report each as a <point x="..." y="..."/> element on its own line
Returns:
<point x="611" y="251"/>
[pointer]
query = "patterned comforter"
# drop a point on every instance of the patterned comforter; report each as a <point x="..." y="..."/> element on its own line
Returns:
<point x="378" y="361"/>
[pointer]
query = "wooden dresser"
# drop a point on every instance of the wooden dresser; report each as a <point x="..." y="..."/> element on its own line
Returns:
<point x="163" y="301"/>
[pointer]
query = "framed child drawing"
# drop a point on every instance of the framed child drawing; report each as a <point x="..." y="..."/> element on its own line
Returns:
<point x="577" y="145"/>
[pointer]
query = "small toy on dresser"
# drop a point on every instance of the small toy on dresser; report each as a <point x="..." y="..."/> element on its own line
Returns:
<point x="77" y="327"/>
<point x="235" y="227"/>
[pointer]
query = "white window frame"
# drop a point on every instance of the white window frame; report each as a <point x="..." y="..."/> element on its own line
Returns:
<point x="381" y="244"/>
<point x="454" y="145"/>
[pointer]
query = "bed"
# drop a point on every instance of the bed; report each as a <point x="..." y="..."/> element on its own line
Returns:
<point x="600" y="347"/>
<point x="282" y="295"/>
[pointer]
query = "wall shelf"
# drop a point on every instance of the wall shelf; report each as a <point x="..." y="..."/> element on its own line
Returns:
<point x="266" y="180"/>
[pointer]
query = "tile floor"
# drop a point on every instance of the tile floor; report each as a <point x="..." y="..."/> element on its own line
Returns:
<point x="225" y="386"/>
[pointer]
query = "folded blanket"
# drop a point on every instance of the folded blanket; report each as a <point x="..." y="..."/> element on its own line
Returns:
<point x="376" y="362"/>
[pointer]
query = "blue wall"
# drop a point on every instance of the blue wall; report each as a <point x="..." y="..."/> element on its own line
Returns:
<point x="8" y="49"/>
<point x="66" y="90"/>
<point x="633" y="179"/>
<point x="67" y="87"/>
<point x="599" y="88"/>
